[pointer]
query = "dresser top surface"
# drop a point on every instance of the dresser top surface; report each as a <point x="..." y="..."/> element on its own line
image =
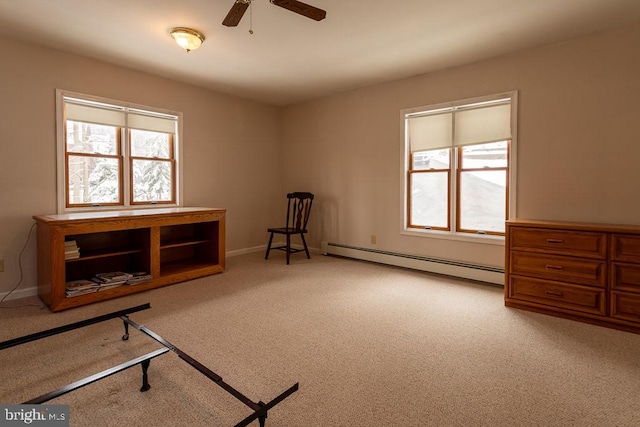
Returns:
<point x="577" y="226"/>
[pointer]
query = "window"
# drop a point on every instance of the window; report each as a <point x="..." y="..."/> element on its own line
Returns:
<point x="113" y="154"/>
<point x="458" y="166"/>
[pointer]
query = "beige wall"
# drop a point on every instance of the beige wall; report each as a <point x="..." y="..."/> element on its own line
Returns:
<point x="578" y="143"/>
<point x="578" y="150"/>
<point x="231" y="146"/>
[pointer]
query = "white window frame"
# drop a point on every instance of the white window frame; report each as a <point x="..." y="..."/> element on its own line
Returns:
<point x="61" y="183"/>
<point x="405" y="154"/>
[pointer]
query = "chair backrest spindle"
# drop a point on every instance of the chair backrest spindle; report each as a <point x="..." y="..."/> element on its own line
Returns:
<point x="298" y="210"/>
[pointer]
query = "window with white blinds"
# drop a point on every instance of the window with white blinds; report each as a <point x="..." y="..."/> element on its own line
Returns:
<point x="113" y="154"/>
<point x="457" y="164"/>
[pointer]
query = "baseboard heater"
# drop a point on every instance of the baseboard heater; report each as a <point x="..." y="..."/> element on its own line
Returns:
<point x="481" y="273"/>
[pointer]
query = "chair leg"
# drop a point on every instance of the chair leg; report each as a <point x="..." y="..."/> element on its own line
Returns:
<point x="269" y="247"/>
<point x="304" y="242"/>
<point x="288" y="248"/>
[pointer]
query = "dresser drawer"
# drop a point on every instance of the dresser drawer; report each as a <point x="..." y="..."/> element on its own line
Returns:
<point x="625" y="277"/>
<point x="576" y="243"/>
<point x="559" y="295"/>
<point x="625" y="306"/>
<point x="625" y="247"/>
<point x="565" y="269"/>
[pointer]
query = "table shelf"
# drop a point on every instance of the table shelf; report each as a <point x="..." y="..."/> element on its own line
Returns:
<point x="172" y="244"/>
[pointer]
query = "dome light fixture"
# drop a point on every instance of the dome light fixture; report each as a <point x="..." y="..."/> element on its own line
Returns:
<point x="187" y="38"/>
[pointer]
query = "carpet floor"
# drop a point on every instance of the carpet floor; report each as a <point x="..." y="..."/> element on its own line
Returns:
<point x="370" y="345"/>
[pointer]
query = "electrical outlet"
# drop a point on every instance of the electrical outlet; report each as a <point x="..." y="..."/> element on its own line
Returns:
<point x="1" y="265"/>
<point x="373" y="239"/>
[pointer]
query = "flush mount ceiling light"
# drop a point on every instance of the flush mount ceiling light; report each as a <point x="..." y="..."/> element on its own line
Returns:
<point x="187" y="38"/>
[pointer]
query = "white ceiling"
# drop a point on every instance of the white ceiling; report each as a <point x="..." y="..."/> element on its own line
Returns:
<point x="290" y="58"/>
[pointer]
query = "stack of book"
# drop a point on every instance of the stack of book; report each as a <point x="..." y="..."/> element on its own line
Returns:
<point x="71" y="250"/>
<point x="111" y="280"/>
<point x="80" y="287"/>
<point x="102" y="281"/>
<point x="139" y="277"/>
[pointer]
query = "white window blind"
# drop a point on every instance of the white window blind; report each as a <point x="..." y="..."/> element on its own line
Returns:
<point x="459" y="126"/>
<point x="166" y="124"/>
<point x="105" y="114"/>
<point x="430" y="132"/>
<point x="487" y="124"/>
<point x="94" y="114"/>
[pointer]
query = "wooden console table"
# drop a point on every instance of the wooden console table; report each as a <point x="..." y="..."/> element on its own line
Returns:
<point x="172" y="244"/>
<point x="586" y="272"/>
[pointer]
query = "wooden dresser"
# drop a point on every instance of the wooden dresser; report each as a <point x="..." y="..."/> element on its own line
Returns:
<point x="585" y="272"/>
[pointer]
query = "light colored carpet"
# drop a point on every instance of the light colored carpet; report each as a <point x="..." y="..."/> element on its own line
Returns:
<point x="370" y="345"/>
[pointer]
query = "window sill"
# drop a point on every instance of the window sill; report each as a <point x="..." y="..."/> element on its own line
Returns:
<point x="98" y="208"/>
<point x="485" y="239"/>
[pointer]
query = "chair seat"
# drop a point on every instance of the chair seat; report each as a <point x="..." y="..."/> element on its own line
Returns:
<point x="284" y="230"/>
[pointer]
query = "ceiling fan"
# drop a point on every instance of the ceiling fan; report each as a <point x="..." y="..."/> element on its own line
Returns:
<point x="240" y="7"/>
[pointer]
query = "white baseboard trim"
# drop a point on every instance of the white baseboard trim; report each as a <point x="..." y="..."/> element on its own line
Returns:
<point x="20" y="293"/>
<point x="246" y="251"/>
<point x="263" y="249"/>
<point x="480" y="273"/>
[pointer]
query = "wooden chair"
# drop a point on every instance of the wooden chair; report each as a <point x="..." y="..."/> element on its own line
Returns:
<point x="298" y="209"/>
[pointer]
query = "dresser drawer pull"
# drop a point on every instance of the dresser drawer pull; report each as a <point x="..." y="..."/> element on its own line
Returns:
<point x="553" y="267"/>
<point x="555" y="241"/>
<point x="553" y="293"/>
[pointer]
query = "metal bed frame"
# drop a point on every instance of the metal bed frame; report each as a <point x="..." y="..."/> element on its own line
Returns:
<point x="260" y="409"/>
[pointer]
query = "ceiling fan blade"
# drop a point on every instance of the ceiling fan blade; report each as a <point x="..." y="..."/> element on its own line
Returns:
<point x="302" y="9"/>
<point x="235" y="14"/>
